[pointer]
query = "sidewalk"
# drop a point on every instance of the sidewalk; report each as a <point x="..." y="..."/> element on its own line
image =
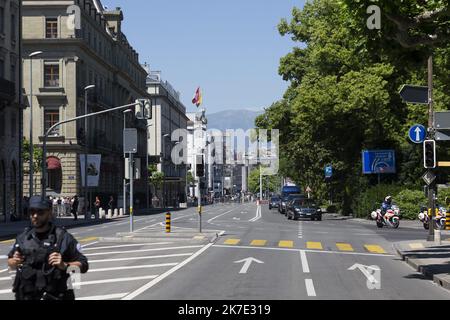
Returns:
<point x="433" y="261"/>
<point x="412" y="224"/>
<point x="11" y="229"/>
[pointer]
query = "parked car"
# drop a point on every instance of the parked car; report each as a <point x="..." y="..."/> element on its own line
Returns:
<point x="304" y="208"/>
<point x="274" y="202"/>
<point x="285" y="204"/>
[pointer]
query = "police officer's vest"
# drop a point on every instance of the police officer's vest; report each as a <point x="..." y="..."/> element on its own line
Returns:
<point x="36" y="277"/>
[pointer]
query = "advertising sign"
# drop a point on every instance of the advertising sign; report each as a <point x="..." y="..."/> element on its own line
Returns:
<point x="93" y="169"/>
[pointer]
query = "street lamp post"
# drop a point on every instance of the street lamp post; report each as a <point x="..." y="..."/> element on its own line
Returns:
<point x="162" y="168"/>
<point x="86" y="89"/>
<point x="146" y="170"/>
<point x="31" y="56"/>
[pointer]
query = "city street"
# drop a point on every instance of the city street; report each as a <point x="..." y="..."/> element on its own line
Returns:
<point x="259" y="255"/>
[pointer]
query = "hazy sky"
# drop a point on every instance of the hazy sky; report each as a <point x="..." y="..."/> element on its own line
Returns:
<point x="231" y="48"/>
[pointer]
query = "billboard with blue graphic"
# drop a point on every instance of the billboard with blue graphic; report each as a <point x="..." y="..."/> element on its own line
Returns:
<point x="378" y="161"/>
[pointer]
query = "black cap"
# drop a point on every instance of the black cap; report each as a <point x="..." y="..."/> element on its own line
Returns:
<point x="36" y="202"/>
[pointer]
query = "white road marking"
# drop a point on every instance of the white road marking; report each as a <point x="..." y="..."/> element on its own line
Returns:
<point x="304" y="261"/>
<point x="166" y="274"/>
<point x="258" y="215"/>
<point x="212" y="219"/>
<point x="4" y="270"/>
<point x="128" y="245"/>
<point x="5" y="279"/>
<point x="140" y="251"/>
<point x="247" y="263"/>
<point x="315" y="251"/>
<point x="310" y="288"/>
<point x="143" y="258"/>
<point x="89" y="244"/>
<point x="134" y="267"/>
<point x="86" y="283"/>
<point x="5" y="291"/>
<point x="105" y="297"/>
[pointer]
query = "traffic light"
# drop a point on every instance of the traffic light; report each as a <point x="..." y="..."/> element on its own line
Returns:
<point x="429" y="154"/>
<point x="200" y="166"/>
<point x="144" y="109"/>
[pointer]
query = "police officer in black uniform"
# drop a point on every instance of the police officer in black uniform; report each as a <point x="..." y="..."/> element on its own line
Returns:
<point x="43" y="256"/>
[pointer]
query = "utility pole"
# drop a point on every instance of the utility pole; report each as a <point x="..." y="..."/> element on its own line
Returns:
<point x="431" y="135"/>
<point x="86" y="149"/>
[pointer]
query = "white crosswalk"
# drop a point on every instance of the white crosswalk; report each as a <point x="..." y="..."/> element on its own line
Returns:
<point x="118" y="270"/>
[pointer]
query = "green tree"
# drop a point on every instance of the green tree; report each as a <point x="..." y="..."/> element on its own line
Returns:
<point x="37" y="156"/>
<point x="343" y="94"/>
<point x="156" y="178"/>
<point x="270" y="183"/>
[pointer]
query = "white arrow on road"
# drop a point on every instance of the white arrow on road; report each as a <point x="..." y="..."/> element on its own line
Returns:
<point x="247" y="263"/>
<point x="239" y="219"/>
<point x="418" y="131"/>
<point x="366" y="272"/>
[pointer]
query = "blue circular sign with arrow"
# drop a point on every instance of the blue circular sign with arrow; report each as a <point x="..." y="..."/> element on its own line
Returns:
<point x="417" y="133"/>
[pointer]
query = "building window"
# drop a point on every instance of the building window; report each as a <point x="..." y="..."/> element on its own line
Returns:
<point x="51" y="117"/>
<point x="13" y="27"/>
<point x="2" y="20"/>
<point x="12" y="76"/>
<point x="2" y="68"/>
<point x="51" y="28"/>
<point x="51" y="74"/>
<point x="13" y="125"/>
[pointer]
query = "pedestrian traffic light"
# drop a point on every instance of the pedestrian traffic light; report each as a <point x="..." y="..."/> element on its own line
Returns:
<point x="429" y="154"/>
<point x="200" y="166"/>
<point x="144" y="109"/>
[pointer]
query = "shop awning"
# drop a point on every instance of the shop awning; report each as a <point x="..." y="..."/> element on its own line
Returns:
<point x="53" y="163"/>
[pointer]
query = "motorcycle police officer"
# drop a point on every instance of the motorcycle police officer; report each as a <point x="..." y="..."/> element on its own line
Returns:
<point x="42" y="256"/>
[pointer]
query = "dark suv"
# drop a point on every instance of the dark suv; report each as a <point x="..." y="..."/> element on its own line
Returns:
<point x="274" y="202"/>
<point x="284" y="204"/>
<point x="304" y="208"/>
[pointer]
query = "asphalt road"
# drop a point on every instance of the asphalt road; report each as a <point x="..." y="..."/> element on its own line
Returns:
<point x="261" y="255"/>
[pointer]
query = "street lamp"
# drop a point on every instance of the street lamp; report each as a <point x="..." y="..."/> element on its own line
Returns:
<point x="86" y="89"/>
<point x="31" y="56"/>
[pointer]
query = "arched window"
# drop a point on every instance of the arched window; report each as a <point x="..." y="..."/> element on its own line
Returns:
<point x="2" y="192"/>
<point x="54" y="171"/>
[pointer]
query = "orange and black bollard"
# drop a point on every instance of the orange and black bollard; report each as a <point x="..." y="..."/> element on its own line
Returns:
<point x="447" y="223"/>
<point x="168" y="219"/>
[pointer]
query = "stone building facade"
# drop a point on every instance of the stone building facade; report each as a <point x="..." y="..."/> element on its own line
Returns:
<point x="82" y="44"/>
<point x="10" y="110"/>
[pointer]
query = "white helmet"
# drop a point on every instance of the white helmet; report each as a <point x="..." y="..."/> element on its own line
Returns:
<point x="388" y="198"/>
<point x="374" y="215"/>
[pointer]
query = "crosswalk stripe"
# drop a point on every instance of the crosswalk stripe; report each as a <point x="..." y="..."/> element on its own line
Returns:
<point x="314" y="245"/>
<point x="5" y="278"/>
<point x="258" y="243"/>
<point x="143" y="258"/>
<point x="232" y="242"/>
<point x="5" y="291"/>
<point x="286" y="244"/>
<point x="344" y="247"/>
<point x="88" y="239"/>
<point x="416" y="246"/>
<point x="86" y="283"/>
<point x="126" y="246"/>
<point x="374" y="248"/>
<point x="139" y="251"/>
<point x="134" y="267"/>
<point x="105" y="297"/>
<point x="11" y="241"/>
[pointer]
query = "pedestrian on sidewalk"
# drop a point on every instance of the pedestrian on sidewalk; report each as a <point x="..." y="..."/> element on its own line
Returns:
<point x="42" y="256"/>
<point x="97" y="205"/>
<point x="75" y="208"/>
<point x="111" y="203"/>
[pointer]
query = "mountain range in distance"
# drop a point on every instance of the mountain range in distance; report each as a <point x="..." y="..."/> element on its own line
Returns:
<point x="233" y="119"/>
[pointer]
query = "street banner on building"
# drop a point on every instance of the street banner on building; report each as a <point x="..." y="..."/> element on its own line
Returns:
<point x="378" y="161"/>
<point x="93" y="169"/>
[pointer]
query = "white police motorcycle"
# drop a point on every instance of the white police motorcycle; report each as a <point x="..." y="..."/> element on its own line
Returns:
<point x="390" y="219"/>
<point x="440" y="221"/>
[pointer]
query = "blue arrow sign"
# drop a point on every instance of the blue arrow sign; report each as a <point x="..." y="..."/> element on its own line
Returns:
<point x="417" y="133"/>
<point x="328" y="172"/>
